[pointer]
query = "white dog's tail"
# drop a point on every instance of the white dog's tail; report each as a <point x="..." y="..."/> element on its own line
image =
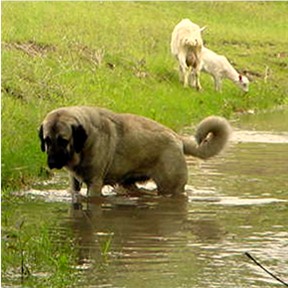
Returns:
<point x="212" y="134"/>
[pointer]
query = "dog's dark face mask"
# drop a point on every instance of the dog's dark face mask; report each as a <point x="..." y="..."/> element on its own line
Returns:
<point x="60" y="148"/>
<point x="58" y="152"/>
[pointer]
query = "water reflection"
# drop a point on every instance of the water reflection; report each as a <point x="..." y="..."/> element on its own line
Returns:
<point x="151" y="242"/>
<point x="180" y="243"/>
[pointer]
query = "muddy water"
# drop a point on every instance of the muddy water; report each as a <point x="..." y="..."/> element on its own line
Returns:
<point x="237" y="203"/>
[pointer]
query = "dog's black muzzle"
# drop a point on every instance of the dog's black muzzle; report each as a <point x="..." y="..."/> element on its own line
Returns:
<point x="54" y="164"/>
<point x="57" y="161"/>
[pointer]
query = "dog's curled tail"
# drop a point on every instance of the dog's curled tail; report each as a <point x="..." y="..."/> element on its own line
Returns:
<point x="212" y="135"/>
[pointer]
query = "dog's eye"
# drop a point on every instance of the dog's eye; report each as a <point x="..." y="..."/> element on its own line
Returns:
<point x="62" y="142"/>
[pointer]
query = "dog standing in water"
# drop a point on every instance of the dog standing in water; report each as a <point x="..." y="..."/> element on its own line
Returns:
<point x="100" y="147"/>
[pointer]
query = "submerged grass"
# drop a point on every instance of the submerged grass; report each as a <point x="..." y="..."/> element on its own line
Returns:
<point x="117" y="55"/>
<point x="34" y="251"/>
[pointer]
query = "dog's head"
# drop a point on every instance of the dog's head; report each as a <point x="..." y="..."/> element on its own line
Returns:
<point x="61" y="138"/>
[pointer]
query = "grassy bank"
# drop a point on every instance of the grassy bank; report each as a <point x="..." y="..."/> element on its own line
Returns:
<point x="117" y="55"/>
<point x="35" y="250"/>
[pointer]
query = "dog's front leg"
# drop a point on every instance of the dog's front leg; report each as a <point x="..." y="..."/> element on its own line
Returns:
<point x="94" y="193"/>
<point x="95" y="188"/>
<point x="75" y="187"/>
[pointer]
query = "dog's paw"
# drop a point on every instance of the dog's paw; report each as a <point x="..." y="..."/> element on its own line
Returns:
<point x="77" y="206"/>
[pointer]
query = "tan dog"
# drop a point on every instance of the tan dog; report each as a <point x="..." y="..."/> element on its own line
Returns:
<point x="101" y="147"/>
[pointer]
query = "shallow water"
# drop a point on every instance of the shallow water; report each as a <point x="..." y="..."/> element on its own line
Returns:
<point x="237" y="203"/>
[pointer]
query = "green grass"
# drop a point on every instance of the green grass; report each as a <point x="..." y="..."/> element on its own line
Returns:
<point x="35" y="251"/>
<point x="61" y="53"/>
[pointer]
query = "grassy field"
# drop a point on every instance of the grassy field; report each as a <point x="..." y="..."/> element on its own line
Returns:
<point x="117" y="55"/>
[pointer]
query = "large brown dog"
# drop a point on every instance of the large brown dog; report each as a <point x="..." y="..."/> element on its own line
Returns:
<point x="101" y="147"/>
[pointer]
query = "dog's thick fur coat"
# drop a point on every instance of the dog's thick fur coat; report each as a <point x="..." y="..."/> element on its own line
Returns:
<point x="101" y="147"/>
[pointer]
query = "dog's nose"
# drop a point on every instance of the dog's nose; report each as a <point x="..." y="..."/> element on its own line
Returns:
<point x="53" y="163"/>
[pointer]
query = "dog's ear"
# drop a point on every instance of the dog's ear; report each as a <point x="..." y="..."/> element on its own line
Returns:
<point x="40" y="133"/>
<point x="79" y="137"/>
